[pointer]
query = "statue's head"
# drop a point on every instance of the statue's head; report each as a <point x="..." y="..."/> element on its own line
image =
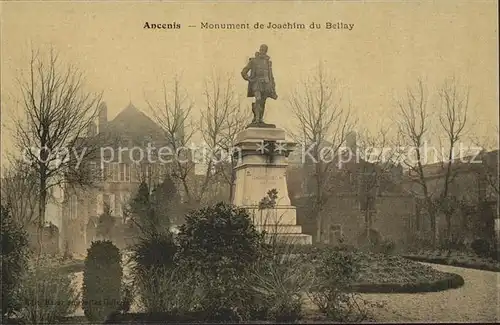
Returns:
<point x="263" y="49"/>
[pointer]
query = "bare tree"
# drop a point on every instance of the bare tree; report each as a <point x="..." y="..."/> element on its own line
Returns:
<point x="489" y="158"/>
<point x="453" y="108"/>
<point x="149" y="173"/>
<point x="490" y="168"/>
<point x="19" y="192"/>
<point x="416" y="129"/>
<point x="323" y="121"/>
<point x="173" y="114"/>
<point x="379" y="160"/>
<point x="222" y="119"/>
<point x="51" y="133"/>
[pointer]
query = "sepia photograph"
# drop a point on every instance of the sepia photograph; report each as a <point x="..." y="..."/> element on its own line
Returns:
<point x="249" y="162"/>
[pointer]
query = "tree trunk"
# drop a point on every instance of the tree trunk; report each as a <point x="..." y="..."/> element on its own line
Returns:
<point x="316" y="214"/>
<point x="319" y="226"/>
<point x="448" y="227"/>
<point x="432" y="216"/>
<point x="367" y="225"/>
<point x="232" y="186"/>
<point x="41" y="214"/>
<point x="434" y="230"/>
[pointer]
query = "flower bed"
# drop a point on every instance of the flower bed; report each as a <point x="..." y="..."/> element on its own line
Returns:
<point x="381" y="273"/>
<point x="386" y="273"/>
<point x="456" y="259"/>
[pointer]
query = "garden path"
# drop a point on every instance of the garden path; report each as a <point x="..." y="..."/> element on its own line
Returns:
<point x="478" y="300"/>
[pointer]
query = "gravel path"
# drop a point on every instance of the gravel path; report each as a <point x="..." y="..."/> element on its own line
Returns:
<point x="478" y="300"/>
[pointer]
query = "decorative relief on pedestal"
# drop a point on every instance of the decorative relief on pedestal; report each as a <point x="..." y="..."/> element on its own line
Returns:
<point x="269" y="180"/>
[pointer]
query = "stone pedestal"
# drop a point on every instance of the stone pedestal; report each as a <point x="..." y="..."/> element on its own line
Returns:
<point x="261" y="167"/>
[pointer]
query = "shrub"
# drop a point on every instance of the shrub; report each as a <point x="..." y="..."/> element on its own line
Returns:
<point x="277" y="285"/>
<point x="156" y="251"/>
<point x="13" y="259"/>
<point x="387" y="246"/>
<point x="335" y="273"/>
<point x="481" y="247"/>
<point x="102" y="278"/>
<point x="167" y="290"/>
<point x="153" y="259"/>
<point x="105" y="224"/>
<point x="46" y="295"/>
<point x="219" y="244"/>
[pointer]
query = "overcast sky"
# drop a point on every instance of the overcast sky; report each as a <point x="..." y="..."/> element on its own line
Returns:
<point x="390" y="46"/>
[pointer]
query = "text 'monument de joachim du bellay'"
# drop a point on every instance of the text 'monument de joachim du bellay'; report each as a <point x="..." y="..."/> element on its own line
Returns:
<point x="339" y="25"/>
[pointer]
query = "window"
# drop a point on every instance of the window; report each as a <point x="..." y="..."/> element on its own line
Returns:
<point x="105" y="201"/>
<point x="147" y="171"/>
<point x="119" y="205"/>
<point x="124" y="173"/>
<point x="112" y="204"/>
<point x="125" y="200"/>
<point x="114" y="172"/>
<point x="105" y="171"/>
<point x="99" y="204"/>
<point x="109" y="201"/>
<point x="92" y="167"/>
<point x="133" y="172"/>
<point x="127" y="173"/>
<point x="335" y="233"/>
<point x="73" y="207"/>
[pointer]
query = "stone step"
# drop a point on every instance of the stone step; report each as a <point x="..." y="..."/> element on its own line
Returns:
<point x="280" y="229"/>
<point x="283" y="215"/>
<point x="291" y="239"/>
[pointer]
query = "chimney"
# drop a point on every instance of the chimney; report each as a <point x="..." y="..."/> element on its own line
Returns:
<point x="92" y="130"/>
<point x="397" y="172"/>
<point x="350" y="140"/>
<point x="103" y="117"/>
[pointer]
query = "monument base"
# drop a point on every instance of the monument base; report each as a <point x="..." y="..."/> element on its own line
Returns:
<point x="289" y="239"/>
<point x="261" y="125"/>
<point x="256" y="175"/>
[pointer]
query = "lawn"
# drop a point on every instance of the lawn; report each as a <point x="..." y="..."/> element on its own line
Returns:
<point x="384" y="273"/>
<point x="390" y="273"/>
<point x="72" y="266"/>
<point x="461" y="259"/>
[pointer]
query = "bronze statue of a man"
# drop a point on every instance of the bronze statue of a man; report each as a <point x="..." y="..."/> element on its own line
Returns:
<point x="260" y="82"/>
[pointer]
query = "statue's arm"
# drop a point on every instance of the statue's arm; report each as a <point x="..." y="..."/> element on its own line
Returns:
<point x="244" y="72"/>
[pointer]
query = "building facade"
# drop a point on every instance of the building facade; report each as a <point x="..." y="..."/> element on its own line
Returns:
<point x="123" y="162"/>
<point x="360" y="200"/>
<point x="473" y="191"/>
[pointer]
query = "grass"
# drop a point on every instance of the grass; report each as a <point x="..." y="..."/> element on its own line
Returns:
<point x="379" y="273"/>
<point x="394" y="274"/>
<point x="465" y="261"/>
<point x="382" y="273"/>
<point x="380" y="268"/>
<point x="72" y="266"/>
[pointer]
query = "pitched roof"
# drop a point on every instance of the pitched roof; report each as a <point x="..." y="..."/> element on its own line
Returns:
<point x="133" y="123"/>
<point x="465" y="164"/>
